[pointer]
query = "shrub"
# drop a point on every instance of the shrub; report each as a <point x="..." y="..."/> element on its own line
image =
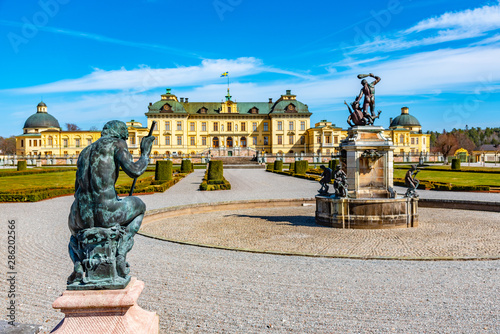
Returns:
<point x="214" y="184"/>
<point x="215" y="170"/>
<point x="186" y="166"/>
<point x="292" y="166"/>
<point x="455" y="164"/>
<point x="332" y="164"/>
<point x="301" y="167"/>
<point x="163" y="170"/>
<point x="269" y="167"/>
<point x="278" y="165"/>
<point x="22" y="165"/>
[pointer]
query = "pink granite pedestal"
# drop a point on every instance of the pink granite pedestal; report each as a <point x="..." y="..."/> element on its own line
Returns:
<point x="105" y="311"/>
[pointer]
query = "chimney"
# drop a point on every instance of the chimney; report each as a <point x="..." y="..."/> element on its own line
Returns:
<point x="270" y="100"/>
<point x="182" y="99"/>
<point x="186" y="100"/>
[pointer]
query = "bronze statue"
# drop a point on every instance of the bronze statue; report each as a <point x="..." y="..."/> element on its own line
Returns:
<point x="356" y="115"/>
<point x="340" y="182"/>
<point x="102" y="225"/>
<point x="411" y="182"/>
<point x="326" y="178"/>
<point x="368" y="91"/>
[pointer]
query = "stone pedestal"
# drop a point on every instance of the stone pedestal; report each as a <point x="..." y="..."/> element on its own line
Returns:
<point x="105" y="311"/>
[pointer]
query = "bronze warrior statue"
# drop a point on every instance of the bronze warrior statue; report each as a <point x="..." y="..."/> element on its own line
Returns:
<point x="368" y="91"/>
<point x="102" y="225"/>
<point x="411" y="182"/>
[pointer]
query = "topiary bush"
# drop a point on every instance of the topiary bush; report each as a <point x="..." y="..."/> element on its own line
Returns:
<point x="455" y="164"/>
<point x="215" y="170"/>
<point x="163" y="171"/>
<point x="292" y="166"/>
<point x="269" y="167"/>
<point x="332" y="164"/>
<point x="22" y="165"/>
<point x="186" y="166"/>
<point x="278" y="165"/>
<point x="301" y="167"/>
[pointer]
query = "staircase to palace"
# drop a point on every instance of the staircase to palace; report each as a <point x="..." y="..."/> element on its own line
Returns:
<point x="239" y="162"/>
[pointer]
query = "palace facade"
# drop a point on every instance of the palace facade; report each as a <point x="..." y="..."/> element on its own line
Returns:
<point x="226" y="128"/>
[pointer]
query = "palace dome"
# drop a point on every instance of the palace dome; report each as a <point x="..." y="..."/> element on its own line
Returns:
<point x="405" y="120"/>
<point x="41" y="119"/>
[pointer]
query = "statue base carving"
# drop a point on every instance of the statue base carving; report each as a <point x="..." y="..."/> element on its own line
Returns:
<point x="105" y="311"/>
<point x="367" y="213"/>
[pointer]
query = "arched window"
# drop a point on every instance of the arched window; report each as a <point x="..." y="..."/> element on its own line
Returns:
<point x="50" y="141"/>
<point x="215" y="142"/>
<point x="243" y="142"/>
<point x="229" y="141"/>
<point x="402" y="139"/>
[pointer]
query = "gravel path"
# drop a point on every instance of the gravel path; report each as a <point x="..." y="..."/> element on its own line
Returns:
<point x="200" y="290"/>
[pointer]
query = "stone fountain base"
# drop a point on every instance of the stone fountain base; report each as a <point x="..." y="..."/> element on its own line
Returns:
<point x="367" y="213"/>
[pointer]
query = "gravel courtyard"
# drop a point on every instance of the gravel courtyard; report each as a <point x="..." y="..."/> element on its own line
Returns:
<point x="203" y="290"/>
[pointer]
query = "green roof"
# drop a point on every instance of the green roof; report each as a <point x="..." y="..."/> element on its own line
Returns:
<point x="404" y="120"/>
<point x="41" y="120"/>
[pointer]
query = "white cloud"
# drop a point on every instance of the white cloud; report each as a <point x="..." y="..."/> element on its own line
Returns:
<point x="146" y="78"/>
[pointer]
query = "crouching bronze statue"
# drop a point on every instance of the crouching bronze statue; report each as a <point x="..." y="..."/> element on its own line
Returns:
<point x="102" y="225"/>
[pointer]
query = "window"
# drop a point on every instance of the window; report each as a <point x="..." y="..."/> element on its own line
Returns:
<point x="167" y="126"/>
<point x="423" y="140"/>
<point x="254" y="126"/>
<point x="229" y="126"/>
<point x="179" y="140"/>
<point x="156" y="141"/>
<point x="402" y="139"/>
<point x="266" y="126"/>
<point x="30" y="142"/>
<point x="254" y="140"/>
<point x="266" y="140"/>
<point x="179" y="126"/>
<point x="35" y="142"/>
<point x="77" y="142"/>
<point x="49" y="141"/>
<point x="155" y="127"/>
<point x="290" y="140"/>
<point x="302" y="125"/>
<point x="290" y="125"/>
<point x="280" y="140"/>
<point x="191" y="126"/>
<point x="203" y="126"/>
<point x="192" y="141"/>
<point x="280" y="125"/>
<point x="167" y="140"/>
<point x="216" y="126"/>
<point x="328" y="139"/>
<point x="65" y="142"/>
<point x="416" y="141"/>
<point x="89" y="141"/>
<point x="336" y="140"/>
<point x="413" y="141"/>
<point x="243" y="126"/>
<point x="204" y="141"/>
<point x="229" y="109"/>
<point x="302" y="140"/>
<point x="22" y="143"/>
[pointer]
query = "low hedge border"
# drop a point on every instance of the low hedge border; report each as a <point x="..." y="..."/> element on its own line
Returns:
<point x="301" y="176"/>
<point x="432" y="185"/>
<point x="463" y="169"/>
<point x="36" y="171"/>
<point x="213" y="184"/>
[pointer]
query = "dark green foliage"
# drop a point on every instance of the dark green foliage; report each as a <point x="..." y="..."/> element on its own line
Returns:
<point x="22" y="165"/>
<point x="455" y="164"/>
<point x="214" y="184"/>
<point x="278" y="165"/>
<point x="332" y="164"/>
<point x="301" y="167"/>
<point x="215" y="170"/>
<point x="186" y="166"/>
<point x="34" y="171"/>
<point x="269" y="167"/>
<point x="292" y="166"/>
<point x="35" y="194"/>
<point x="431" y="185"/>
<point x="163" y="170"/>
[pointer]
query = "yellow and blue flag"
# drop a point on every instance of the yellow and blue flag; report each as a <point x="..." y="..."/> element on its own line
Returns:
<point x="225" y="74"/>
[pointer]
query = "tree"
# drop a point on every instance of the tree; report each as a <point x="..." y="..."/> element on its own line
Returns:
<point x="8" y="145"/>
<point x="464" y="142"/>
<point x="94" y="128"/>
<point x="72" y="127"/>
<point x="446" y="144"/>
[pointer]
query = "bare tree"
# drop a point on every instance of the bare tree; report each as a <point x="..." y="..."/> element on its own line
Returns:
<point x="72" y="127"/>
<point x="446" y="144"/>
<point x="94" y="128"/>
<point x="464" y="142"/>
<point x="8" y="145"/>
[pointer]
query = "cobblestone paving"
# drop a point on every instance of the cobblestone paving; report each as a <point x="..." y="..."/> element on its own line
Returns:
<point x="202" y="290"/>
<point x="465" y="234"/>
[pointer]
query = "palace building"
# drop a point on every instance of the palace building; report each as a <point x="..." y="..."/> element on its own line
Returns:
<point x="227" y="128"/>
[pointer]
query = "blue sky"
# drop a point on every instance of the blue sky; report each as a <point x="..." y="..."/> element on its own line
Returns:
<point x="93" y="61"/>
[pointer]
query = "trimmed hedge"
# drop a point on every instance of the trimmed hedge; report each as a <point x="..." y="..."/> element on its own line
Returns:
<point x="35" y="194"/>
<point x="209" y="185"/>
<point x="332" y="164"/>
<point x="278" y="165"/>
<point x="455" y="164"/>
<point x="215" y="170"/>
<point x="22" y="165"/>
<point x="269" y="167"/>
<point x="35" y="171"/>
<point x="292" y="166"/>
<point x="301" y="167"/>
<point x="186" y="166"/>
<point x="432" y="185"/>
<point x="163" y="170"/>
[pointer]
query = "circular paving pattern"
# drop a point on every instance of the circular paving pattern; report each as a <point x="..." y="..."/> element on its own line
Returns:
<point x="441" y="234"/>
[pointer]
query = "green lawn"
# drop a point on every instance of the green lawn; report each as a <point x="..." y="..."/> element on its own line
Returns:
<point x="61" y="179"/>
<point x="457" y="178"/>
